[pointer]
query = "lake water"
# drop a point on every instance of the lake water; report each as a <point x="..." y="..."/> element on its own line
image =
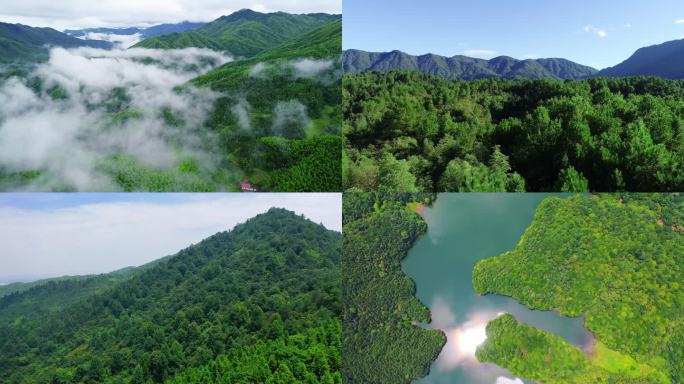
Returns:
<point x="464" y="228"/>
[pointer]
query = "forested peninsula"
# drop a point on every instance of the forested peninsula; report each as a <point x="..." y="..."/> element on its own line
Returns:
<point x="382" y="342"/>
<point x="615" y="259"/>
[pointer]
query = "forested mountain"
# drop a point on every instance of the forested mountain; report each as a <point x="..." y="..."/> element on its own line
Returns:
<point x="244" y="33"/>
<point x="614" y="259"/>
<point x="407" y="131"/>
<point x="301" y="82"/>
<point x="21" y="43"/>
<point x="19" y="287"/>
<point x="153" y="31"/>
<point x="381" y="341"/>
<point x="40" y="298"/>
<point x="463" y="67"/>
<point x="257" y="304"/>
<point x="665" y="60"/>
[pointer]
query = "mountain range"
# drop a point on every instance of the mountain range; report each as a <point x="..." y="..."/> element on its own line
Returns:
<point x="244" y="33"/>
<point x="153" y="31"/>
<point x="259" y="303"/>
<point x="664" y="60"/>
<point x="463" y="67"/>
<point x="21" y="43"/>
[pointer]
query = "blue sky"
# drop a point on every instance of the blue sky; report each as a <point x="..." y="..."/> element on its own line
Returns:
<point x="48" y="235"/>
<point x="599" y="33"/>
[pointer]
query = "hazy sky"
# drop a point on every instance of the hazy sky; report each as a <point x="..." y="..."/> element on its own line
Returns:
<point x="69" y="14"/>
<point x="52" y="234"/>
<point x="599" y="33"/>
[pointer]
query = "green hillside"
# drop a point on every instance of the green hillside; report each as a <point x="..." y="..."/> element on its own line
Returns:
<point x="617" y="260"/>
<point x="244" y="33"/>
<point x="303" y="157"/>
<point x="260" y="303"/>
<point x="21" y="43"/>
<point x="45" y="297"/>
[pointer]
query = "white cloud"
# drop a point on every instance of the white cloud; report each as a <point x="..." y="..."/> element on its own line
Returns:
<point x="595" y="31"/>
<point x="480" y="53"/>
<point x="258" y="70"/>
<point x="103" y="237"/>
<point x="120" y="41"/>
<point x="69" y="14"/>
<point x="310" y="67"/>
<point x="679" y="21"/>
<point x="67" y="137"/>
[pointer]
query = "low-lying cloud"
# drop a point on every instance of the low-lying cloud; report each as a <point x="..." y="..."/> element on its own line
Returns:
<point x="119" y="41"/>
<point x="95" y="103"/>
<point x="326" y="71"/>
<point x="290" y="120"/>
<point x="310" y="67"/>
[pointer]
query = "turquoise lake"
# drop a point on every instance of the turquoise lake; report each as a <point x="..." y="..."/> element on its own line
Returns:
<point x="464" y="228"/>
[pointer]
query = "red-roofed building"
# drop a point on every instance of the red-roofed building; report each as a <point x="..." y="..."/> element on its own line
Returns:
<point x="246" y="186"/>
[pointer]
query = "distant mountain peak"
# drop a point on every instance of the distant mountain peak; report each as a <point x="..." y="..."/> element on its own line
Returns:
<point x="665" y="60"/>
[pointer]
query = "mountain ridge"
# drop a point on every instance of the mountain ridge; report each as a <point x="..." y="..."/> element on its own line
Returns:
<point x="244" y="33"/>
<point x="20" y="43"/>
<point x="146" y="32"/>
<point x="461" y="67"/>
<point x="664" y="60"/>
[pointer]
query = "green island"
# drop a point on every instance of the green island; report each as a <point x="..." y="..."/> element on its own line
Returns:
<point x="381" y="340"/>
<point x="615" y="259"/>
<point x="497" y="135"/>
<point x="257" y="304"/>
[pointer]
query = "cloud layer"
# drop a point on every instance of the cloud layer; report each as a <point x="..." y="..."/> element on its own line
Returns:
<point x="600" y="32"/>
<point x="74" y="14"/>
<point x="105" y="236"/>
<point x="96" y="103"/>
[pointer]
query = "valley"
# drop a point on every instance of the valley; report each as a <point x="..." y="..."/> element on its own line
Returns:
<point x="192" y="114"/>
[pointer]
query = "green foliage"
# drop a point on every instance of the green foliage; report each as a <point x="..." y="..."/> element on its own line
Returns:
<point x="245" y="33"/>
<point x="615" y="260"/>
<point x="131" y="175"/>
<point x="308" y="165"/>
<point x="381" y="342"/>
<point x="543" y="357"/>
<point x="260" y="303"/>
<point x="293" y="157"/>
<point x="569" y="180"/>
<point x="598" y="134"/>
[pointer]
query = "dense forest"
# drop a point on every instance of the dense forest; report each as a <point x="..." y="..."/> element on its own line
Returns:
<point x="617" y="260"/>
<point x="257" y="304"/>
<point x="406" y="131"/>
<point x="304" y="153"/>
<point x="382" y="342"/>
<point x="547" y="358"/>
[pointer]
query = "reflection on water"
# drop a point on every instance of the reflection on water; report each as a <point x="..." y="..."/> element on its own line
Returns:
<point x="463" y="229"/>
